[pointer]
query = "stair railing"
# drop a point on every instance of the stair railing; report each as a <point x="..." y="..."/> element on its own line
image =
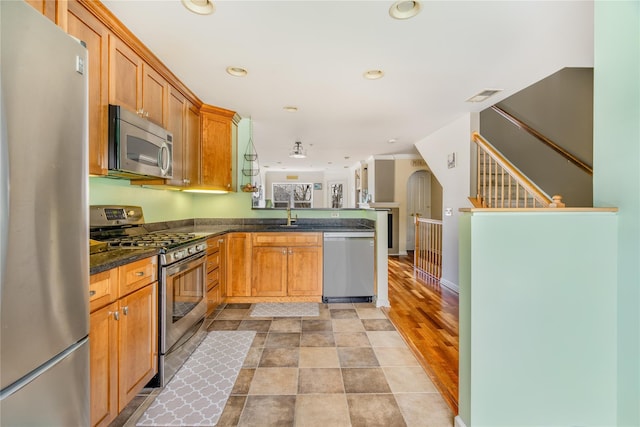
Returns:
<point x="501" y="185"/>
<point x="427" y="255"/>
<point x="546" y="141"/>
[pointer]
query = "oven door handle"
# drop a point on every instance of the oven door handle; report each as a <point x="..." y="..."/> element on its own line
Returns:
<point x="186" y="264"/>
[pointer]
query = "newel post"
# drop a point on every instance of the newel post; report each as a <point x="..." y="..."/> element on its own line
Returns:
<point x="557" y="201"/>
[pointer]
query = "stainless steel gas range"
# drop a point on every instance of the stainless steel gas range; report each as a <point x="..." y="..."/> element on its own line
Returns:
<point x="182" y="279"/>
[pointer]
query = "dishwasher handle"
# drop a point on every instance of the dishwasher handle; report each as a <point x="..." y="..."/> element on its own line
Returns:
<point x="342" y="235"/>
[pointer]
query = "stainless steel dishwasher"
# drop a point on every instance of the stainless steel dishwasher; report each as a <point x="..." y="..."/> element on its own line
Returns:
<point x="348" y="272"/>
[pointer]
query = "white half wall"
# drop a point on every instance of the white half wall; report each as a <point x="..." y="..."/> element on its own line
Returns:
<point x="436" y="150"/>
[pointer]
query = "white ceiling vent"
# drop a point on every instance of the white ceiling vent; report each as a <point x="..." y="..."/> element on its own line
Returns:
<point x="479" y="97"/>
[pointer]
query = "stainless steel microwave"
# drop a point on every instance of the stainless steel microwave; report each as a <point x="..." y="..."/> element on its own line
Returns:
<point x="138" y="147"/>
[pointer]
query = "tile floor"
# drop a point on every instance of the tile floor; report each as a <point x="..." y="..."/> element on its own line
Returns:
<point x="347" y="367"/>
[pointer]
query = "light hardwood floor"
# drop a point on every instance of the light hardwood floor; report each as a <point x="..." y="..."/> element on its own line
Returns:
<point x="426" y="315"/>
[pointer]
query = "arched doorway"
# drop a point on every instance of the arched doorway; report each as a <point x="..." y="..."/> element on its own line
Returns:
<point x="418" y="202"/>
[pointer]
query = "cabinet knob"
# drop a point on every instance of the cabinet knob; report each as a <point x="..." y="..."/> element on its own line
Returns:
<point x="116" y="315"/>
<point x="125" y="310"/>
<point x="139" y="273"/>
<point x="284" y="252"/>
<point x="92" y="293"/>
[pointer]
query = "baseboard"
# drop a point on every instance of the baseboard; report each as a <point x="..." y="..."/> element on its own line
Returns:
<point x="383" y="303"/>
<point x="458" y="422"/>
<point x="447" y="284"/>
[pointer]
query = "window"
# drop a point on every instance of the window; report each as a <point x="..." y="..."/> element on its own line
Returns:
<point x="298" y="195"/>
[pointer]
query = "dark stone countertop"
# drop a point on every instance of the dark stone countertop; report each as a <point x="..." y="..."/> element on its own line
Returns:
<point x="114" y="258"/>
<point x="107" y="260"/>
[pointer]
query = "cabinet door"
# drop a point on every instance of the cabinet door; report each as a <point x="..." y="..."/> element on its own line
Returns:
<point x="218" y="153"/>
<point x="86" y="27"/>
<point x="238" y="265"/>
<point x="45" y="7"/>
<point x="304" y="267"/>
<point x="138" y="342"/>
<point x="269" y="272"/>
<point x="103" y="365"/>
<point x="191" y="162"/>
<point x="155" y="95"/>
<point x="125" y="75"/>
<point x="176" y="125"/>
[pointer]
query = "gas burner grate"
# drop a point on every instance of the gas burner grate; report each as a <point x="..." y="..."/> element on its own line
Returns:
<point x="158" y="240"/>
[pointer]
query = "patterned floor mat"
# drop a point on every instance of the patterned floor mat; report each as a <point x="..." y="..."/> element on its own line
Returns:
<point x="285" y="309"/>
<point x="198" y="392"/>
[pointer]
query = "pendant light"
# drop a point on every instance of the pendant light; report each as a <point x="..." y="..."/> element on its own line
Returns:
<point x="297" y="152"/>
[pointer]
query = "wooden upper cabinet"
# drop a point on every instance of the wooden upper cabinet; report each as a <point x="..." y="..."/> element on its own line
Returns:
<point x="176" y="124"/>
<point x="85" y="26"/>
<point x="125" y="75"/>
<point x="155" y="96"/>
<point x="191" y="154"/>
<point x="52" y="9"/>
<point x="218" y="148"/>
<point x="135" y="85"/>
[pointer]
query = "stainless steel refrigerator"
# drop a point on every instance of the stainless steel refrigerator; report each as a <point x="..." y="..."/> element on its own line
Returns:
<point x="44" y="252"/>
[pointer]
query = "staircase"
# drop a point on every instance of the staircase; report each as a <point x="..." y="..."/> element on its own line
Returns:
<point x="501" y="185"/>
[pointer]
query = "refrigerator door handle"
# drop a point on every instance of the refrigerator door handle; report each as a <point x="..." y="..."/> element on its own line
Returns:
<point x="4" y="189"/>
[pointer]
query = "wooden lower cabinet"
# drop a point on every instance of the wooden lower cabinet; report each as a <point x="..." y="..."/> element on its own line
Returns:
<point x="103" y="350"/>
<point x="215" y="272"/>
<point x="123" y="336"/>
<point x="238" y="264"/>
<point x="137" y="342"/>
<point x="304" y="271"/>
<point x="269" y="272"/>
<point x="286" y="265"/>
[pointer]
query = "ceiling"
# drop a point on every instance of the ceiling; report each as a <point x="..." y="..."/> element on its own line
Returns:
<point x="312" y="55"/>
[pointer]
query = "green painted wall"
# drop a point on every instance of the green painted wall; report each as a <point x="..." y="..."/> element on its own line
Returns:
<point x="464" y="319"/>
<point x="165" y="205"/>
<point x="157" y="205"/>
<point x="616" y="179"/>
<point x="540" y="349"/>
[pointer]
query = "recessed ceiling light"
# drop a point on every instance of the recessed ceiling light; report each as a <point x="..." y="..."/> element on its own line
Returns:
<point x="201" y="7"/>
<point x="405" y="9"/>
<point x="392" y="141"/>
<point x="290" y="108"/>
<point x="373" y="74"/>
<point x="237" y="71"/>
<point x="479" y="97"/>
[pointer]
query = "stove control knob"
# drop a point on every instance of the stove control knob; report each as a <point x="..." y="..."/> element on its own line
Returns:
<point x="200" y="248"/>
<point x="191" y="250"/>
<point x="178" y="254"/>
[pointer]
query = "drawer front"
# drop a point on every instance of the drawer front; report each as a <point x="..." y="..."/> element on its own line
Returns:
<point x="137" y="274"/>
<point x="214" y="244"/>
<point x="213" y="261"/>
<point x="287" y="239"/>
<point x="213" y="298"/>
<point x="213" y="278"/>
<point x="103" y="289"/>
